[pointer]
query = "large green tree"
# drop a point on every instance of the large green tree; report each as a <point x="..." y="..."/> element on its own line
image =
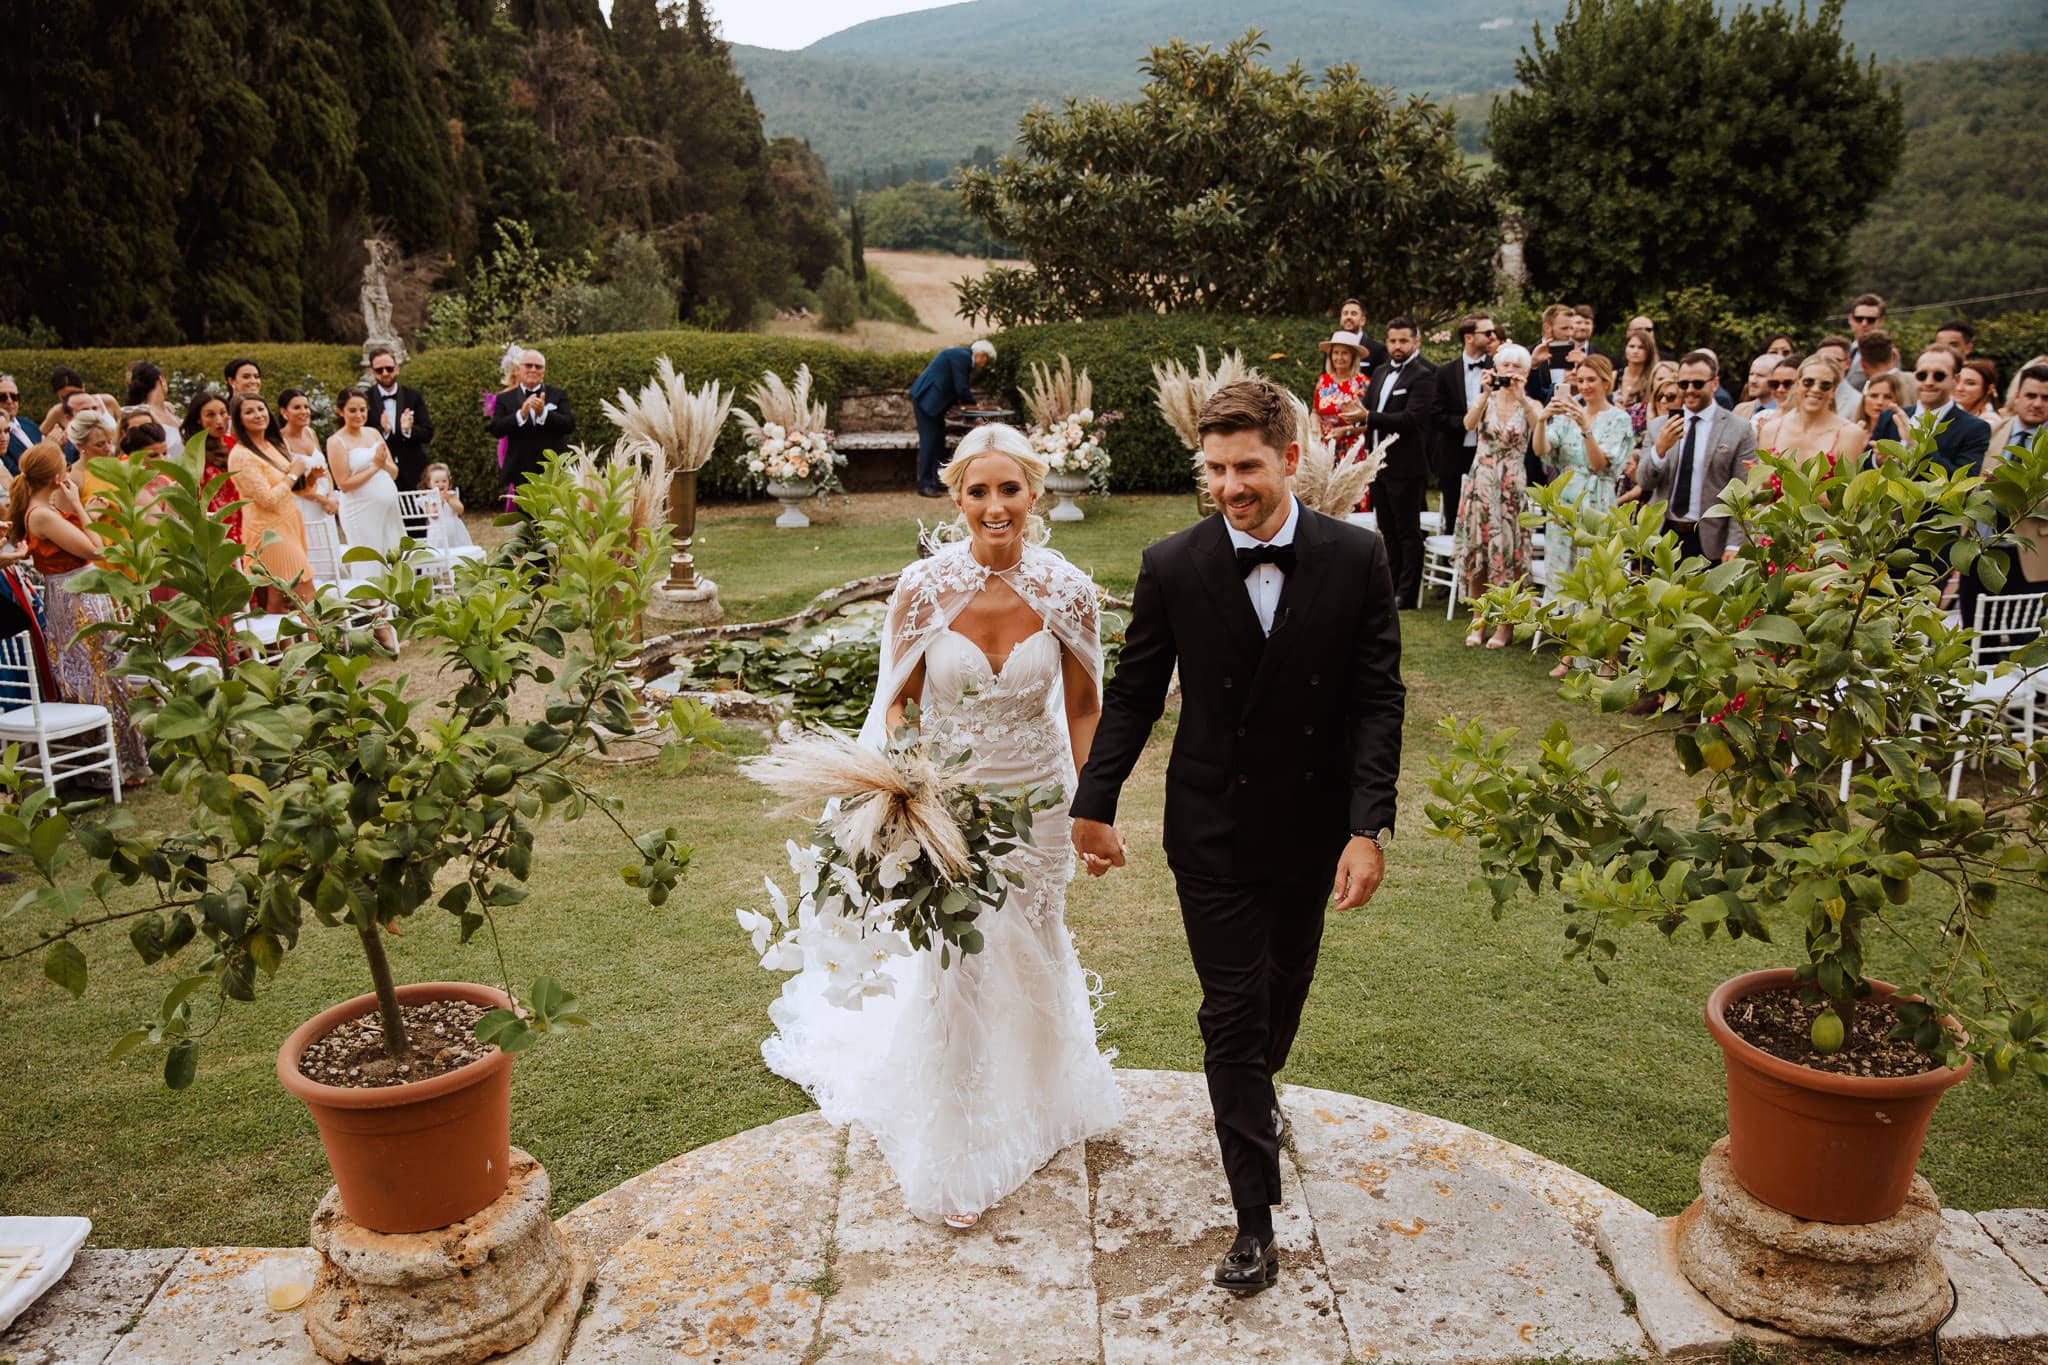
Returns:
<point x="1231" y="186"/>
<point x="1657" y="144"/>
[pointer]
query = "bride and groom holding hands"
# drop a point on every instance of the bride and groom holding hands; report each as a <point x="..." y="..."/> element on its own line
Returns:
<point x="1279" y="801"/>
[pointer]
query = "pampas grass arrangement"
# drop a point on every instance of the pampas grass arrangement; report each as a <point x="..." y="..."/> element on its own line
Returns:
<point x="1181" y="393"/>
<point x="883" y="799"/>
<point x="671" y="417"/>
<point x="1056" y="395"/>
<point x="1323" y="482"/>
<point x="787" y="406"/>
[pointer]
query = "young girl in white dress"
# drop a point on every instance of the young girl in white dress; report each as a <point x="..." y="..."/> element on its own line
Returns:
<point x="445" y="530"/>
<point x="973" y="1076"/>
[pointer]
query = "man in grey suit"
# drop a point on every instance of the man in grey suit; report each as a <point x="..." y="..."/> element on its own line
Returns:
<point x="1692" y="455"/>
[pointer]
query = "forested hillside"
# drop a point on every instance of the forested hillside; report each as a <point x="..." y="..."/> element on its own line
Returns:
<point x="928" y="86"/>
<point x="209" y="170"/>
<point x="1968" y="215"/>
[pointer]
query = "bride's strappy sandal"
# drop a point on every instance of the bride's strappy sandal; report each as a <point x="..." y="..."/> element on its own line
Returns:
<point x="960" y="1222"/>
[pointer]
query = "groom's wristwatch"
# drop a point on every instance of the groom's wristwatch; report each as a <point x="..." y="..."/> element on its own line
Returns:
<point x="1381" y="837"/>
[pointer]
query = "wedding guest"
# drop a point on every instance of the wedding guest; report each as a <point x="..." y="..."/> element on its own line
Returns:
<point x="1977" y="387"/>
<point x="76" y="404"/>
<point x="1692" y="455"/>
<point x="1781" y="344"/>
<point x="1958" y="336"/>
<point x="1808" y="428"/>
<point x="1582" y="332"/>
<point x="1881" y="409"/>
<point x="1780" y="389"/>
<point x="149" y="392"/>
<point x="1458" y="383"/>
<point x="1341" y="387"/>
<point x="1866" y="315"/>
<point x="1663" y="402"/>
<point x="2012" y="391"/>
<point x="1643" y="322"/>
<point x="207" y="414"/>
<point x="1551" y="365"/>
<point x="1962" y="440"/>
<point x="1639" y="360"/>
<point x="1493" y="545"/>
<point x="1351" y="318"/>
<point x="445" y="530"/>
<point x="401" y="417"/>
<point x="91" y="434"/>
<point x="1590" y="440"/>
<point x="1756" y="387"/>
<point x="45" y="511"/>
<point x="508" y="365"/>
<point x="316" y="492"/>
<point x="243" y="376"/>
<point x="21" y="610"/>
<point x="367" y="476"/>
<point x="1877" y="354"/>
<point x="271" y="527"/>
<point x="21" y="432"/>
<point x="144" y="442"/>
<point x="2023" y="429"/>
<point x="1398" y="402"/>
<point x="946" y="382"/>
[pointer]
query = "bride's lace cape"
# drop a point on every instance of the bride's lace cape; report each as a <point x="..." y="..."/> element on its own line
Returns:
<point x="933" y="592"/>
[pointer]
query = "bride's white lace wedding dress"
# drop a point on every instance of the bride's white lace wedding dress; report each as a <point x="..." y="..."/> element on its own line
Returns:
<point x="972" y="1076"/>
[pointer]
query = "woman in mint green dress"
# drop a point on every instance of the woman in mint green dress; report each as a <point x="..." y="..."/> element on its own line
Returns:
<point x="1590" y="442"/>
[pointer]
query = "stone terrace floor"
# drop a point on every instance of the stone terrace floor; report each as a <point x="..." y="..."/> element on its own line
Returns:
<point x="1404" y="1238"/>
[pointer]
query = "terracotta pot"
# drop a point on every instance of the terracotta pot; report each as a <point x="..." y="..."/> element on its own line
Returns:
<point x="422" y="1155"/>
<point x="1833" y="1149"/>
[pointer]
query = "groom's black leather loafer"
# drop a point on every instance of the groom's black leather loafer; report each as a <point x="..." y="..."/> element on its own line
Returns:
<point x="1251" y="1264"/>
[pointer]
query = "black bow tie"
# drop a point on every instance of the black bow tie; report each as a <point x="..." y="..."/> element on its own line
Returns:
<point x="1280" y="557"/>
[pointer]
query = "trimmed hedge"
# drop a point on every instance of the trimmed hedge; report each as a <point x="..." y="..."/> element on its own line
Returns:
<point x="454" y="381"/>
<point x="1119" y="353"/>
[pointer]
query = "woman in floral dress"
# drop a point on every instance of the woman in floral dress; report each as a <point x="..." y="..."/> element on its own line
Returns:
<point x="1590" y="442"/>
<point x="1493" y="545"/>
<point x="1342" y="386"/>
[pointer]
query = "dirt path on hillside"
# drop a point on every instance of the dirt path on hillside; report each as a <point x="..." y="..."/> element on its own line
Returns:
<point x="926" y="279"/>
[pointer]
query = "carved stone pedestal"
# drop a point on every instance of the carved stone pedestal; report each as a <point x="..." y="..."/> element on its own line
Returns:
<point x="671" y="609"/>
<point x="500" y="1280"/>
<point x="1868" y="1283"/>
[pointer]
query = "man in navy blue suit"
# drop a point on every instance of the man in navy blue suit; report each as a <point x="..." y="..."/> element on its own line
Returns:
<point x="948" y="380"/>
<point x="21" y="432"/>
<point x="1962" y="440"/>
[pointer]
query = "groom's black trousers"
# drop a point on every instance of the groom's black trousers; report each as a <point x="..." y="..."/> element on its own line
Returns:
<point x="1254" y="945"/>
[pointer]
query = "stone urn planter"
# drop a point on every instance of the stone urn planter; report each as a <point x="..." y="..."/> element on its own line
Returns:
<point x="792" y="494"/>
<point x="411" y="1157"/>
<point x="1820" y="1146"/>
<point x="1067" y="487"/>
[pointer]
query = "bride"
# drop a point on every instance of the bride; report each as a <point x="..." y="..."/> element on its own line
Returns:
<point x="973" y="1076"/>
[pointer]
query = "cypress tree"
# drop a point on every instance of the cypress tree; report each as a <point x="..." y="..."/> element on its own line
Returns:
<point x="859" y="251"/>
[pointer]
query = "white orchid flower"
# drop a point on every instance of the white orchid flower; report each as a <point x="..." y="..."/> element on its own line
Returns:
<point x="805" y="863"/>
<point x="896" y="865"/>
<point x="776" y="900"/>
<point x="787" y="955"/>
<point x="758" y="926"/>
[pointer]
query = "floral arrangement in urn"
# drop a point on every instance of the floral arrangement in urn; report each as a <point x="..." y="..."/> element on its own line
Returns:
<point x="789" y="442"/>
<point x="1066" y="431"/>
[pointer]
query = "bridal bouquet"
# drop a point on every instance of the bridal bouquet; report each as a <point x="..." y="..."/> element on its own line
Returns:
<point x="788" y="442"/>
<point x="903" y="859"/>
<point x="1066" y="431"/>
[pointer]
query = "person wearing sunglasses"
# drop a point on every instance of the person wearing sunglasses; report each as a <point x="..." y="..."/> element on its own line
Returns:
<point x="400" y="415"/>
<point x="1459" y="383"/>
<point x="1807" y="425"/>
<point x="1960" y="440"/>
<point x="22" y="434"/>
<point x="1866" y="315"/>
<point x="1693" y="454"/>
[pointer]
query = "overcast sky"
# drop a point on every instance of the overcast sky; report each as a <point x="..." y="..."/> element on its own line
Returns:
<point x="799" y="23"/>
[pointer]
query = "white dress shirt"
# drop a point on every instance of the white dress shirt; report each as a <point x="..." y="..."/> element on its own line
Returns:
<point x="525" y="419"/>
<point x="1265" y="582"/>
<point x="1702" y="439"/>
<point x="390" y="397"/>
<point x="1475" y="380"/>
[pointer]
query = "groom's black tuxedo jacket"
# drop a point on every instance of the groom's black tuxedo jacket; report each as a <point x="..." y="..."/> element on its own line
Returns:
<point x="1287" y="743"/>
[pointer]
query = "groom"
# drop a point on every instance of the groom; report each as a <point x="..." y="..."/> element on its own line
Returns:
<point x="1280" y="790"/>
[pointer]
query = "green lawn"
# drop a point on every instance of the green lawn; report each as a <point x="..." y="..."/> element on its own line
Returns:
<point x="1421" y="1000"/>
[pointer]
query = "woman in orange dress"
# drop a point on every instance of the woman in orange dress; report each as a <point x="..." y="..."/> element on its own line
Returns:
<point x="265" y="475"/>
<point x="44" y="510"/>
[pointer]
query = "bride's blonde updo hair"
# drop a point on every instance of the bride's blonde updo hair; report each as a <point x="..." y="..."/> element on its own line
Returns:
<point x="996" y="438"/>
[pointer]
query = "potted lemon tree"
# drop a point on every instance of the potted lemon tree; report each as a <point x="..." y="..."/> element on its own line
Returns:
<point x="320" y="796"/>
<point x="1818" y="698"/>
